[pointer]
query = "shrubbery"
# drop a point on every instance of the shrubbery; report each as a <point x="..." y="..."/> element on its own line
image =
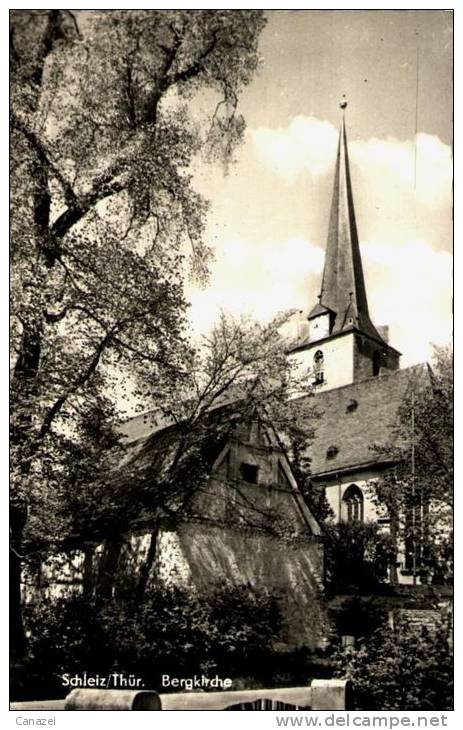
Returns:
<point x="358" y="556"/>
<point x="173" y="632"/>
<point x="405" y="668"/>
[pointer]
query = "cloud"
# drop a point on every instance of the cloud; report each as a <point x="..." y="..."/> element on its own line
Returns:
<point x="305" y="145"/>
<point x="308" y="145"/>
<point x="260" y="279"/>
<point x="392" y="163"/>
<point x="411" y="292"/>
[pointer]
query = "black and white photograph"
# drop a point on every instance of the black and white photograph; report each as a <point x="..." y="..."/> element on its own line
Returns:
<point x="231" y="361"/>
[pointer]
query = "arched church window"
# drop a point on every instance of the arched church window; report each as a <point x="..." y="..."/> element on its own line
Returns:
<point x="318" y="367"/>
<point x="353" y="501"/>
<point x="376" y="363"/>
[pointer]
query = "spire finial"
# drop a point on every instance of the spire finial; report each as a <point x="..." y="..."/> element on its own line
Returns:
<point x="343" y="102"/>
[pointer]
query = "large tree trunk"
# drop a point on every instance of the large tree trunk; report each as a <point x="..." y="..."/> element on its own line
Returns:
<point x="18" y="518"/>
<point x="24" y="376"/>
<point x="108" y="568"/>
<point x="147" y="566"/>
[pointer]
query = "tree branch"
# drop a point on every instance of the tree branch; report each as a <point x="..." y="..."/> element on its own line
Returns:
<point x="44" y="157"/>
<point x="73" y="215"/>
<point x="81" y="380"/>
<point x="197" y="66"/>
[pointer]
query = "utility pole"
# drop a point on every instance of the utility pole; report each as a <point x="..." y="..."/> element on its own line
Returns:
<point x="416" y="113"/>
<point x="413" y="489"/>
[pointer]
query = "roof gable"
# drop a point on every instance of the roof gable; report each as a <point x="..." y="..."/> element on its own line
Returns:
<point x="149" y="449"/>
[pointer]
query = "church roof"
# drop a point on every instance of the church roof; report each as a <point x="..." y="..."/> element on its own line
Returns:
<point x="343" y="285"/>
<point x="356" y="417"/>
<point x="352" y="419"/>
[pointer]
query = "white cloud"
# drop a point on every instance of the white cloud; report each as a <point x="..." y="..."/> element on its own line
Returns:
<point x="306" y="145"/>
<point x="392" y="163"/>
<point x="260" y="279"/>
<point x="412" y="293"/>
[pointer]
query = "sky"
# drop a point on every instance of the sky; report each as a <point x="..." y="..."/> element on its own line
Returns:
<point x="269" y="217"/>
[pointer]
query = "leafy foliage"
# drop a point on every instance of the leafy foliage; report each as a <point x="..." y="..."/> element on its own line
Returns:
<point x="358" y="556"/>
<point x="174" y="631"/>
<point x="418" y="494"/>
<point x="102" y="208"/>
<point x="406" y="668"/>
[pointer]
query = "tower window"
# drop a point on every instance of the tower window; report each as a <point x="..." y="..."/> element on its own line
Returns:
<point x="353" y="501"/>
<point x="318" y="367"/>
<point x="249" y="472"/>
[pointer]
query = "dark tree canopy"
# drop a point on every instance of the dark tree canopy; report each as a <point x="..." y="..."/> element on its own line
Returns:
<point x="418" y="493"/>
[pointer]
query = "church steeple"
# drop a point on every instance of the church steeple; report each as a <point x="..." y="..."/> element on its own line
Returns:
<point x="343" y="286"/>
<point x="342" y="345"/>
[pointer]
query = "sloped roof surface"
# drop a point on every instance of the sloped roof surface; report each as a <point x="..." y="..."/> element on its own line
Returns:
<point x="319" y="309"/>
<point x="353" y="418"/>
<point x="150" y="447"/>
<point x="142" y="426"/>
<point x="150" y="422"/>
<point x="357" y="416"/>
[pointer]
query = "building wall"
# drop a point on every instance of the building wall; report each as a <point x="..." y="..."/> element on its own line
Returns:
<point x="291" y="570"/>
<point x="336" y="488"/>
<point x="338" y="361"/>
<point x="346" y="359"/>
<point x="202" y="557"/>
<point x="364" y="354"/>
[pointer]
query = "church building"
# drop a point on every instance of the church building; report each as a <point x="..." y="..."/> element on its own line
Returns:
<point x="247" y="523"/>
<point x="351" y="366"/>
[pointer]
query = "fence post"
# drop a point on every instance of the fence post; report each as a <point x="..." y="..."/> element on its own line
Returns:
<point x="330" y="694"/>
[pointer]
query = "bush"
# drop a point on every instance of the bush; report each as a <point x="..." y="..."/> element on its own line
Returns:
<point x="405" y="668"/>
<point x="358" y="557"/>
<point x="173" y="632"/>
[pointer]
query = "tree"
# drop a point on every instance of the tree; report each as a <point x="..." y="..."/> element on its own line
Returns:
<point x="239" y="376"/>
<point x="402" y="668"/>
<point x="418" y="493"/>
<point x="103" y="134"/>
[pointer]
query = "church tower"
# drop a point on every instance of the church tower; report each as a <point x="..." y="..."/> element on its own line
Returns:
<point x="340" y="344"/>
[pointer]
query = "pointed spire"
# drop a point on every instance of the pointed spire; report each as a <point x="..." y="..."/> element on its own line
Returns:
<point x="343" y="286"/>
